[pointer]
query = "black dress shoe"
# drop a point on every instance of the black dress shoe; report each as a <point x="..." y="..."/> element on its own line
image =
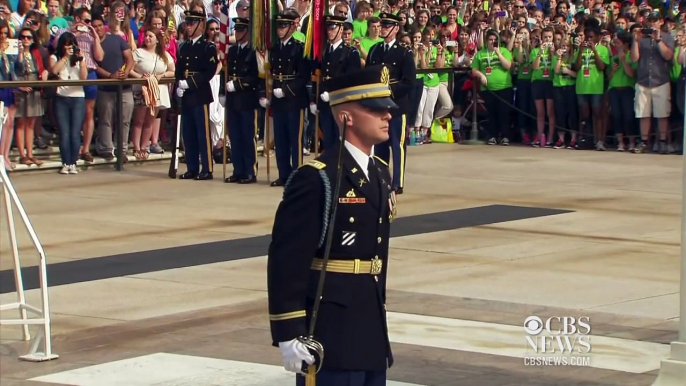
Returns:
<point x="399" y="191"/>
<point x="188" y="176"/>
<point x="249" y="180"/>
<point x="204" y="176"/>
<point x="277" y="183"/>
<point x="232" y="179"/>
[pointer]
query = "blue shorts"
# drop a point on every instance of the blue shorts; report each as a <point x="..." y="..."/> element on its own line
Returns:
<point x="91" y="91"/>
<point x="7" y="96"/>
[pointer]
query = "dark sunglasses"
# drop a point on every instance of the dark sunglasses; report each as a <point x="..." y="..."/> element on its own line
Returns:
<point x="87" y="21"/>
<point x="26" y="37"/>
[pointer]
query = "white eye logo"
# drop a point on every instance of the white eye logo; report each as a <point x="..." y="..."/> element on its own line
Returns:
<point x="533" y="325"/>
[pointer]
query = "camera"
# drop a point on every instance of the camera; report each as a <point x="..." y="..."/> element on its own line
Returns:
<point x="75" y="56"/>
<point x="647" y="31"/>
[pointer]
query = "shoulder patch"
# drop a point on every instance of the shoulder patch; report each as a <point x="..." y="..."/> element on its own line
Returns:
<point x="316" y="164"/>
<point x="382" y="161"/>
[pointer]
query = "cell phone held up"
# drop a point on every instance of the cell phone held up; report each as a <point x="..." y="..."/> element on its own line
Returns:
<point x="647" y="31"/>
<point x="75" y="56"/>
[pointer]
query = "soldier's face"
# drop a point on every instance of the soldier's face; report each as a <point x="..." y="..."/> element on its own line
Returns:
<point x="333" y="32"/>
<point x="282" y="29"/>
<point x="368" y="126"/>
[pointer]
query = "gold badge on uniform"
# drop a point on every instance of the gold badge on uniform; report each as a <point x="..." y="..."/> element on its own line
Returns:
<point x="351" y="193"/>
<point x="385" y="76"/>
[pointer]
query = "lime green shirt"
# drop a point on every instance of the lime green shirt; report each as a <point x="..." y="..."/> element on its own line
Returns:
<point x="449" y="57"/>
<point x="431" y="79"/>
<point x="498" y="78"/>
<point x="562" y="80"/>
<point x="366" y="43"/>
<point x="299" y="36"/>
<point x="675" y="71"/>
<point x="590" y="80"/>
<point x="621" y="78"/>
<point x="545" y="69"/>
<point x="359" y="29"/>
<point x="524" y="68"/>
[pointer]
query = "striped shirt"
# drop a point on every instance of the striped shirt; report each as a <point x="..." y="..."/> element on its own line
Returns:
<point x="85" y="42"/>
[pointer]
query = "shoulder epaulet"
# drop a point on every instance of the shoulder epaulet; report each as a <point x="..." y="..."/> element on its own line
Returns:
<point x="315" y="164"/>
<point x="382" y="161"/>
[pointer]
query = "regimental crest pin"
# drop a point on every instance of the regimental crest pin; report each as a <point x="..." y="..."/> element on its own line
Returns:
<point x="351" y="193"/>
<point x="348" y="238"/>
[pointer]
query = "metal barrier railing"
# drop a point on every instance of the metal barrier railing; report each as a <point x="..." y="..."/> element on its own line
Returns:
<point x="120" y="83"/>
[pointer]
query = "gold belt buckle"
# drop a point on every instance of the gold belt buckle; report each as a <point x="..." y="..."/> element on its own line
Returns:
<point x="377" y="265"/>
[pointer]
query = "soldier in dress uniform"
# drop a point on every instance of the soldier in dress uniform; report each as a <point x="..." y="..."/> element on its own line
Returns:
<point x="290" y="73"/>
<point x="242" y="95"/>
<point x="338" y="59"/>
<point x="196" y="66"/>
<point x="351" y="323"/>
<point x="400" y="63"/>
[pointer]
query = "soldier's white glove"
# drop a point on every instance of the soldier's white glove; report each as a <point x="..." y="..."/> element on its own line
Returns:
<point x="278" y="93"/>
<point x="230" y="86"/>
<point x="313" y="108"/>
<point x="324" y="96"/>
<point x="264" y="102"/>
<point x="293" y="353"/>
<point x="179" y="92"/>
<point x="183" y="85"/>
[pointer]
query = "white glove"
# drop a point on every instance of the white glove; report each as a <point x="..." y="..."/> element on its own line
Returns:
<point x="278" y="93"/>
<point x="179" y="92"/>
<point x="264" y="102"/>
<point x="324" y="96"/>
<point x="230" y="86"/>
<point x="183" y="85"/>
<point x="293" y="353"/>
<point x="313" y="108"/>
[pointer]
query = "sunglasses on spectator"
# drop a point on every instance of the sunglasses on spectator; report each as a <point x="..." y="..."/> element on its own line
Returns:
<point x="31" y="22"/>
<point x="215" y="29"/>
<point x="26" y="37"/>
<point x="87" y="21"/>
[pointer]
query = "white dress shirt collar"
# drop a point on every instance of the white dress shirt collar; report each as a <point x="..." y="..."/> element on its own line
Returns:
<point x="335" y="45"/>
<point x="360" y="157"/>
<point x="389" y="44"/>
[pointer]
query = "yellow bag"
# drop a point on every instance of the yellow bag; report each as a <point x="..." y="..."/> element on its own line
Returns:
<point x="442" y="131"/>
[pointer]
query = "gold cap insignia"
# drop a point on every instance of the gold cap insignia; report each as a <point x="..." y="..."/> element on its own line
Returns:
<point x="354" y="170"/>
<point x="351" y="193"/>
<point x="385" y="76"/>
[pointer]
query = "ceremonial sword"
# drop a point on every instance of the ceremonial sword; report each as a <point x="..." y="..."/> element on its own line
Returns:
<point x="309" y="340"/>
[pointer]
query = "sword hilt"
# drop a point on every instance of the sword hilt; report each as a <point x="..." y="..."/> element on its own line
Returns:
<point x="317" y="350"/>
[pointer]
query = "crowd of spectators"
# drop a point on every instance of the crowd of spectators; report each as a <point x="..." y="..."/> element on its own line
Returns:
<point x="591" y="74"/>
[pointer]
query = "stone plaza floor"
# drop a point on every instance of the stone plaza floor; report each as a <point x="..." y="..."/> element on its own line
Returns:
<point x="163" y="282"/>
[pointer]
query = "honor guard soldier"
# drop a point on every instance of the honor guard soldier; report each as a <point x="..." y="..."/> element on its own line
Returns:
<point x="196" y="66"/>
<point x="338" y="59"/>
<point x="290" y="73"/>
<point x="242" y="95"/>
<point x="350" y="320"/>
<point x="400" y="63"/>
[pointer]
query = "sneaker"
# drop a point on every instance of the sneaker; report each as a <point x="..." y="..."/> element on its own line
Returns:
<point x="560" y="144"/>
<point x="39" y="142"/>
<point x="621" y="147"/>
<point x="600" y="146"/>
<point x="572" y="145"/>
<point x="65" y="169"/>
<point x="156" y="149"/>
<point x="526" y="139"/>
<point x="505" y="142"/>
<point x="663" y="148"/>
<point x="641" y="148"/>
<point x="492" y="141"/>
<point x="536" y="142"/>
<point x="548" y="145"/>
<point x="72" y="169"/>
<point x="306" y="151"/>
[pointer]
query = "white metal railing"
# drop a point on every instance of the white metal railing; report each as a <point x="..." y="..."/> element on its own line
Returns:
<point x="43" y="313"/>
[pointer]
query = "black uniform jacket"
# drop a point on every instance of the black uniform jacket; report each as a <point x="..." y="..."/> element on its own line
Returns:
<point x="400" y="63"/>
<point x="242" y="70"/>
<point x="343" y="60"/>
<point x="290" y="72"/>
<point x="351" y="323"/>
<point x="197" y="65"/>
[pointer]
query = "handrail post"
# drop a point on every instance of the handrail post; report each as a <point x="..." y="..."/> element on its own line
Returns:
<point x="120" y="132"/>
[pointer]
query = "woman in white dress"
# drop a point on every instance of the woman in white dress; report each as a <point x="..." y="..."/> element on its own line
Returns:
<point x="150" y="60"/>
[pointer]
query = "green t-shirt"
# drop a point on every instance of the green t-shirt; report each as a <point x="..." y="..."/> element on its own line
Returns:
<point x="58" y="22"/>
<point x="359" y="29"/>
<point x="449" y="57"/>
<point x="545" y="69"/>
<point x="498" y="78"/>
<point x="675" y="71"/>
<point x="523" y="69"/>
<point x="431" y="79"/>
<point x="299" y="36"/>
<point x="621" y="79"/>
<point x="366" y="43"/>
<point x="562" y="80"/>
<point x="590" y="80"/>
